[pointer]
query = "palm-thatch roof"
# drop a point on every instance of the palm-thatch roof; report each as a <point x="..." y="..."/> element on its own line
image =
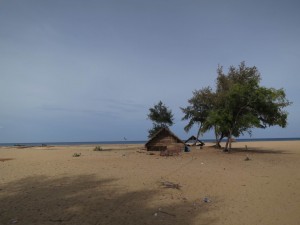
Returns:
<point x="161" y="139"/>
<point x="192" y="140"/>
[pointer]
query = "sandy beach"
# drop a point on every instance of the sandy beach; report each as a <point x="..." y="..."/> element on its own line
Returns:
<point x="124" y="184"/>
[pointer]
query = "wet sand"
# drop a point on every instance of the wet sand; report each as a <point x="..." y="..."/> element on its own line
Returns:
<point x="123" y="184"/>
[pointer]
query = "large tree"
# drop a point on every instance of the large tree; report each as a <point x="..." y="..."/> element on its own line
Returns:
<point x="244" y="104"/>
<point x="161" y="117"/>
<point x="240" y="104"/>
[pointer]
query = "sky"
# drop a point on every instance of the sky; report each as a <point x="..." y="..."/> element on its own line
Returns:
<point x="89" y="70"/>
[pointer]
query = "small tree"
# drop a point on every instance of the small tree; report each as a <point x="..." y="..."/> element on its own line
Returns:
<point x="161" y="117"/>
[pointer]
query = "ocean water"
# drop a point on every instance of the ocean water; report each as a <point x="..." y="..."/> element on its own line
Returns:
<point x="138" y="142"/>
<point x="72" y="143"/>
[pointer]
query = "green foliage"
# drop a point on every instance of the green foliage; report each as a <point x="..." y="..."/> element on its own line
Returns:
<point x="238" y="104"/>
<point x="76" y="154"/>
<point x="199" y="106"/>
<point x="161" y="116"/>
<point x="197" y="111"/>
<point x="98" y="148"/>
<point x="154" y="130"/>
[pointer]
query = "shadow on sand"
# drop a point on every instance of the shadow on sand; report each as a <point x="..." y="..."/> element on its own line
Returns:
<point x="259" y="151"/>
<point x="87" y="200"/>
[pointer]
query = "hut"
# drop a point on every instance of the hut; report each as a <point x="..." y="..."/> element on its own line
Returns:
<point x="192" y="140"/>
<point x="164" y="139"/>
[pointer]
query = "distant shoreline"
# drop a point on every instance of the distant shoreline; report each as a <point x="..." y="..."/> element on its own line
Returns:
<point x="135" y="142"/>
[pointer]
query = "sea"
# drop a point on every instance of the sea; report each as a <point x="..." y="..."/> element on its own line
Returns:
<point x="136" y="142"/>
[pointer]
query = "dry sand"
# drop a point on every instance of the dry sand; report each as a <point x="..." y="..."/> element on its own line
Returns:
<point x="125" y="185"/>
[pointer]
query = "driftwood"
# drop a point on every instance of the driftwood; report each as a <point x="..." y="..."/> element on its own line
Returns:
<point x="168" y="184"/>
<point x="167" y="213"/>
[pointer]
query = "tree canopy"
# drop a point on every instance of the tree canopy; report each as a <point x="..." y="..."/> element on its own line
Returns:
<point x="161" y="117"/>
<point x="199" y="108"/>
<point x="237" y="105"/>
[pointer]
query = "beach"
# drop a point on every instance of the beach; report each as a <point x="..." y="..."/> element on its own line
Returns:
<point x="257" y="183"/>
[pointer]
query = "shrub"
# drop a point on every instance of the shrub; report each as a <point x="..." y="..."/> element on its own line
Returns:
<point x="98" y="148"/>
<point x="76" y="154"/>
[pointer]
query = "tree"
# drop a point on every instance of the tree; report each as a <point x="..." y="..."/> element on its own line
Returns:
<point x="198" y="110"/>
<point x="161" y="117"/>
<point x="238" y="105"/>
<point x="244" y="104"/>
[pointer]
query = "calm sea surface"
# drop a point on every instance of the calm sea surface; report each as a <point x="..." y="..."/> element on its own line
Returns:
<point x="137" y="142"/>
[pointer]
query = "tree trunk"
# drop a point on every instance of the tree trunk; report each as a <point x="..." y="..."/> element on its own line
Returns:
<point x="218" y="145"/>
<point x="226" y="146"/>
<point x="219" y="141"/>
<point x="228" y="142"/>
<point x="198" y="134"/>
<point x="217" y="138"/>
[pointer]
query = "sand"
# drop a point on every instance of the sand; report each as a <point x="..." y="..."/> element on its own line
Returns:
<point x="124" y="185"/>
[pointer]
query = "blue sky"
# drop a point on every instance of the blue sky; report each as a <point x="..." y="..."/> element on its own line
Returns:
<point x="90" y="70"/>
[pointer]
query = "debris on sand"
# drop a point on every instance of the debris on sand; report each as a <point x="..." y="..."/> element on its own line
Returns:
<point x="13" y="221"/>
<point x="140" y="151"/>
<point x="168" y="184"/>
<point x="247" y="158"/>
<point x="164" y="212"/>
<point x="206" y="200"/>
<point x="150" y="153"/>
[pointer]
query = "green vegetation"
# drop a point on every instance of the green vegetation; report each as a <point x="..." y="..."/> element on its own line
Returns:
<point x="237" y="105"/>
<point x="76" y="154"/>
<point x="200" y="105"/>
<point x="98" y="148"/>
<point x="161" y="117"/>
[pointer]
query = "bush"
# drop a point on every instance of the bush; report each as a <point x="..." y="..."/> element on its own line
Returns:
<point x="98" y="148"/>
<point x="76" y="154"/>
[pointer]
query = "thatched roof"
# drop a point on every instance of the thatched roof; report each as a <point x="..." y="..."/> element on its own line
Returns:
<point x="194" y="139"/>
<point x="164" y="129"/>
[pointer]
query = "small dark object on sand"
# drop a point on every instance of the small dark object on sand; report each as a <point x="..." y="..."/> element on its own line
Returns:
<point x="168" y="184"/>
<point x="247" y="158"/>
<point x="206" y="200"/>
